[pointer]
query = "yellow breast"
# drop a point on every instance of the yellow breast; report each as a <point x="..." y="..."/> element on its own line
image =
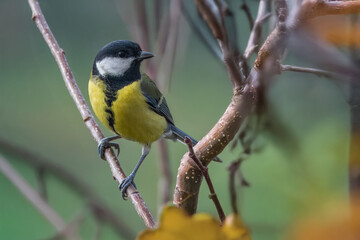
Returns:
<point x="96" y="89"/>
<point x="133" y="119"/>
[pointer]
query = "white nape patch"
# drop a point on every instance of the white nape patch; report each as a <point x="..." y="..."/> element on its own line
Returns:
<point x="114" y="66"/>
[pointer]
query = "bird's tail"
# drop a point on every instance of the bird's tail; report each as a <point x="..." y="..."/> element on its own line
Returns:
<point x="178" y="134"/>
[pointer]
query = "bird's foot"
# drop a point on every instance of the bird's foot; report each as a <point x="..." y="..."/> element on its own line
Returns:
<point x="104" y="144"/>
<point x="123" y="186"/>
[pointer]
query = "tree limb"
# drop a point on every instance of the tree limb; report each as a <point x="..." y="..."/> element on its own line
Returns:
<point x="255" y="35"/>
<point x="317" y="8"/>
<point x="247" y="11"/>
<point x="98" y="207"/>
<point x="86" y="115"/>
<point x="187" y="190"/>
<point x="205" y="172"/>
<point x="34" y="198"/>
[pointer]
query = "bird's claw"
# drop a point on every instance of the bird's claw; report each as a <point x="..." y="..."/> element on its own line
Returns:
<point x="123" y="186"/>
<point x="104" y="144"/>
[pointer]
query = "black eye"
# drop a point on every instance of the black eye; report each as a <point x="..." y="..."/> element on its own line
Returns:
<point x="121" y="54"/>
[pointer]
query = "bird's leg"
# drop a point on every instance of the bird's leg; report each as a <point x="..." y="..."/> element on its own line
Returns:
<point x="106" y="143"/>
<point x="130" y="179"/>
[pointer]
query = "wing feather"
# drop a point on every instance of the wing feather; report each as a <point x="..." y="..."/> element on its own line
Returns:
<point x="154" y="98"/>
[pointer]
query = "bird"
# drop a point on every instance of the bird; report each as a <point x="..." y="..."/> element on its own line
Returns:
<point x="129" y="103"/>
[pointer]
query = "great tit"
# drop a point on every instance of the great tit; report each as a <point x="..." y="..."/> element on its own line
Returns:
<point x="128" y="102"/>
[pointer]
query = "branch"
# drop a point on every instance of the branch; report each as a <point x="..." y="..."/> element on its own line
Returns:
<point x="203" y="34"/>
<point x="205" y="173"/>
<point x="187" y="190"/>
<point x="255" y="35"/>
<point x="165" y="180"/>
<point x="40" y="177"/>
<point x="86" y="115"/>
<point x="354" y="103"/>
<point x="165" y="68"/>
<point x="316" y="8"/>
<point x="318" y="72"/>
<point x="143" y="35"/>
<point x="241" y="105"/>
<point x="97" y="206"/>
<point x="140" y="10"/>
<point x="34" y="198"/>
<point x="233" y="168"/>
<point x="247" y="11"/>
<point x="158" y="15"/>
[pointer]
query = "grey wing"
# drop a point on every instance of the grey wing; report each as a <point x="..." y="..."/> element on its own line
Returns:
<point x="155" y="99"/>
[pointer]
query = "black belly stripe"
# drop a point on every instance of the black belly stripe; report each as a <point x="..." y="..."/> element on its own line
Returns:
<point x="113" y="85"/>
<point x="110" y="96"/>
<point x="111" y="119"/>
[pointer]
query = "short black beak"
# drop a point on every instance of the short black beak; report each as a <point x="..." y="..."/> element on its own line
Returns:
<point x="145" y="55"/>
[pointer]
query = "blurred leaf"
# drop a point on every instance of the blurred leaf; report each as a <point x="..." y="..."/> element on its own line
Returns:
<point x="175" y="224"/>
<point x="234" y="228"/>
<point x="338" y="221"/>
<point x="337" y="30"/>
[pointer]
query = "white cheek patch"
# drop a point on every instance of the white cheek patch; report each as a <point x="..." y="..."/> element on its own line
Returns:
<point x="114" y="66"/>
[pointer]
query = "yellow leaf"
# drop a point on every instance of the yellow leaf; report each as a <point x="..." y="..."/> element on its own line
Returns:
<point x="337" y="30"/>
<point x="335" y="222"/>
<point x="175" y="224"/>
<point x="234" y="228"/>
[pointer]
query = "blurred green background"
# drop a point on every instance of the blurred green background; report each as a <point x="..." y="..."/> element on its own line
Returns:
<point x="37" y="113"/>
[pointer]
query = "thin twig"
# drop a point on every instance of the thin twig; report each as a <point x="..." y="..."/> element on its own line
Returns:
<point x="49" y="167"/>
<point x="40" y="176"/>
<point x="204" y="170"/>
<point x="354" y="103"/>
<point x="165" y="180"/>
<point x="158" y="15"/>
<point x="142" y="23"/>
<point x="87" y="117"/>
<point x="201" y="33"/>
<point x="255" y="35"/>
<point x="317" y="72"/>
<point x="34" y="198"/>
<point x="127" y="15"/>
<point x="247" y="11"/>
<point x="233" y="169"/>
<point x="143" y="35"/>
<point x="165" y="69"/>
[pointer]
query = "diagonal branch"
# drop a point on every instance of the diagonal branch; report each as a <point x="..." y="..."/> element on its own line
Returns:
<point x="34" y="198"/>
<point x="187" y="190"/>
<point x="255" y="35"/>
<point x="247" y="11"/>
<point x="204" y="36"/>
<point x="165" y="67"/>
<point x="86" y="115"/>
<point x="318" y="72"/>
<point x="205" y="172"/>
<point x="48" y="167"/>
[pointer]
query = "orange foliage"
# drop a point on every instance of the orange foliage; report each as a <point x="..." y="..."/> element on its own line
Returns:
<point x="337" y="30"/>
<point x="339" y="222"/>
<point x="175" y="224"/>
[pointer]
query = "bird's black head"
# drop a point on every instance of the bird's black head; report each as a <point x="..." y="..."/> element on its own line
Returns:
<point x="119" y="58"/>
